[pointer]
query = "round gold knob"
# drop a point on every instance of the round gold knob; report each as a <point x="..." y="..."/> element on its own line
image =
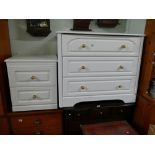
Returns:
<point x="120" y="67"/>
<point x="37" y="122"/>
<point x="83" y="67"/>
<point x="20" y="120"/>
<point x="34" y="97"/>
<point x="123" y="46"/>
<point x="120" y="86"/>
<point x="82" y="87"/>
<point x="83" y="45"/>
<point x="33" y="77"/>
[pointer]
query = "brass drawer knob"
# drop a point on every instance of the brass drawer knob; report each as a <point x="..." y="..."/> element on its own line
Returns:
<point x="34" y="97"/>
<point x="82" y="87"/>
<point x="37" y="122"/>
<point x="83" y="67"/>
<point x="120" y="67"/>
<point x="33" y="77"/>
<point x="119" y="86"/>
<point x="20" y="120"/>
<point x="123" y="46"/>
<point x="83" y="45"/>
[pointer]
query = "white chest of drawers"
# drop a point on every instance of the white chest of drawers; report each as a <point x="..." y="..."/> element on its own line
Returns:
<point x="33" y="82"/>
<point x="96" y="66"/>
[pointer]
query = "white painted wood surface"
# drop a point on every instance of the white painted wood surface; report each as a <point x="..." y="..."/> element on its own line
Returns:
<point x="33" y="82"/>
<point x="97" y="66"/>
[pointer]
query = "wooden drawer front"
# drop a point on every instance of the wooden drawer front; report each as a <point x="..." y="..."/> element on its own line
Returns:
<point x="47" y="121"/>
<point x="38" y="131"/>
<point x="95" y="45"/>
<point x="32" y="75"/>
<point x="33" y="95"/>
<point x="4" y="126"/>
<point x="98" y="86"/>
<point x="81" y="66"/>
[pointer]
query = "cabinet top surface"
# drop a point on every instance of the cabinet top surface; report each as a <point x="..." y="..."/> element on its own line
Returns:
<point x="40" y="58"/>
<point x="99" y="33"/>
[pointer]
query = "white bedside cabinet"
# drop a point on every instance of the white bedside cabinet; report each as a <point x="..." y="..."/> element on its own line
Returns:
<point x="96" y="66"/>
<point x="33" y="82"/>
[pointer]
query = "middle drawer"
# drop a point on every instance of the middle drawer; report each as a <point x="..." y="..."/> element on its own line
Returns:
<point x="96" y="66"/>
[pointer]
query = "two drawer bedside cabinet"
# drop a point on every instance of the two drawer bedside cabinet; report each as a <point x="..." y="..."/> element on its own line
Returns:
<point x="33" y="82"/>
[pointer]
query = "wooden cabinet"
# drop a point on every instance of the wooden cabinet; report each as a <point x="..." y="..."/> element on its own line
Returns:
<point x="144" y="115"/>
<point x="5" y="52"/>
<point x="145" y="109"/>
<point x="37" y="122"/>
<point x="4" y="126"/>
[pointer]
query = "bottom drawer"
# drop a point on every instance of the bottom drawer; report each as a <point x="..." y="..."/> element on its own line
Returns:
<point x="53" y="120"/>
<point x="23" y="96"/>
<point x="37" y="122"/>
<point x="38" y="131"/>
<point x="4" y="126"/>
<point x="92" y="86"/>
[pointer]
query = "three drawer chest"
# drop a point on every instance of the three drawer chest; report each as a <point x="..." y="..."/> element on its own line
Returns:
<point x="96" y="66"/>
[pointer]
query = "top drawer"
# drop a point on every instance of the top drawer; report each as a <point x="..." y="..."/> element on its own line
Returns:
<point x="24" y="121"/>
<point x="24" y="74"/>
<point x="88" y="45"/>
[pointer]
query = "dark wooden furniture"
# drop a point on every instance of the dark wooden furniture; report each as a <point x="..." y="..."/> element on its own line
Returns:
<point x="81" y="24"/>
<point x="108" y="128"/>
<point x="88" y="113"/>
<point x="4" y="126"/>
<point x="46" y="122"/>
<point x="5" y="52"/>
<point x="145" y="109"/>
